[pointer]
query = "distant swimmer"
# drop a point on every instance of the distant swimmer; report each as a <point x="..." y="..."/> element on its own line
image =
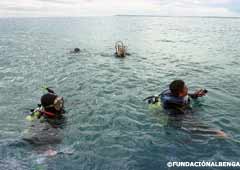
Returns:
<point x="121" y="50"/>
<point x="75" y="51"/>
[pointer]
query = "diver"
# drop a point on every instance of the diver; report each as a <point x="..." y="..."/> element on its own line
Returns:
<point x="176" y="102"/>
<point x="50" y="110"/>
<point x="46" y="124"/>
<point x="121" y="50"/>
<point x="75" y="51"/>
<point x="46" y="121"/>
<point x="177" y="99"/>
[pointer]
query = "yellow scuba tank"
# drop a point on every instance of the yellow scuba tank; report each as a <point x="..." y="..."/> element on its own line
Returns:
<point x="154" y="102"/>
<point x="155" y="106"/>
<point x="35" y="115"/>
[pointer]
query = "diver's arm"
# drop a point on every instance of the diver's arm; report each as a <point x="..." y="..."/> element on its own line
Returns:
<point x="193" y="95"/>
<point x="209" y="131"/>
<point x="198" y="93"/>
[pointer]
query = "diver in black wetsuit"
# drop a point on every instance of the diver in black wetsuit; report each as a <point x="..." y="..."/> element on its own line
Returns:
<point x="176" y="102"/>
<point x="176" y="99"/>
<point x="50" y="110"/>
<point x="53" y="109"/>
<point x="47" y="121"/>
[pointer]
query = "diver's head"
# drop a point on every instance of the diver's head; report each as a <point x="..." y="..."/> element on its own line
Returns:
<point x="120" y="49"/>
<point x="76" y="50"/>
<point x="178" y="88"/>
<point x="52" y="103"/>
<point x="121" y="52"/>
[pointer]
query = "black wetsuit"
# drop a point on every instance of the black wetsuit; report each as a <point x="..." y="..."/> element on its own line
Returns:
<point x="174" y="104"/>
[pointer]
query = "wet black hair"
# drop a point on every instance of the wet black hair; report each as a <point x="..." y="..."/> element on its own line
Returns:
<point x="176" y="87"/>
<point x="76" y="50"/>
<point x="48" y="99"/>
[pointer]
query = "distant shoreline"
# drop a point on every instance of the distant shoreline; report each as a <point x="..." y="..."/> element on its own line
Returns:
<point x="118" y="15"/>
<point x="162" y="16"/>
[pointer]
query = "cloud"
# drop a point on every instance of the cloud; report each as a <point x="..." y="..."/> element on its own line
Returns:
<point x="113" y="7"/>
<point x="67" y="2"/>
<point x="54" y="1"/>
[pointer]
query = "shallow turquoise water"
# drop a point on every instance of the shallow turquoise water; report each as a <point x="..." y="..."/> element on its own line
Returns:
<point x="109" y="126"/>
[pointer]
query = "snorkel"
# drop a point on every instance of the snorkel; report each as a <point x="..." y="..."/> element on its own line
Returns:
<point x="48" y="89"/>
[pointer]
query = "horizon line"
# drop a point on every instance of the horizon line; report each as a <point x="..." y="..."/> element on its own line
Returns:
<point x="173" y="16"/>
<point x="122" y="15"/>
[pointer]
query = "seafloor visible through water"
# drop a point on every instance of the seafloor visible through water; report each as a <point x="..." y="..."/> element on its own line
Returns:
<point x="108" y="124"/>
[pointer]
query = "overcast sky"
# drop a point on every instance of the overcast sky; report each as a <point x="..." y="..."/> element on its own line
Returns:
<point x="52" y="8"/>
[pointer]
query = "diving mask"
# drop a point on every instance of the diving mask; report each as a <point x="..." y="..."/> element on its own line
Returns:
<point x="58" y="104"/>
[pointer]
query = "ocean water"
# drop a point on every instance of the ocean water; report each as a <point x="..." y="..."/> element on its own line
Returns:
<point x="108" y="124"/>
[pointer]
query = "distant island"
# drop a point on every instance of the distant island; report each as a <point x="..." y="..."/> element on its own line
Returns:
<point x="125" y="15"/>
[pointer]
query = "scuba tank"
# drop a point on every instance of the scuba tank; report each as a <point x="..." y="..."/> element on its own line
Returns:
<point x="153" y="102"/>
<point x="35" y="114"/>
